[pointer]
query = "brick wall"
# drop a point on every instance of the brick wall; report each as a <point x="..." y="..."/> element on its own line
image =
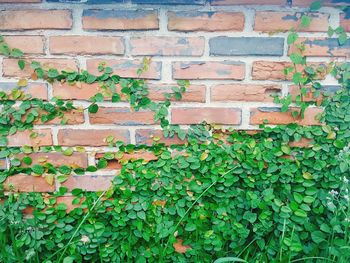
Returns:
<point x="233" y="51"/>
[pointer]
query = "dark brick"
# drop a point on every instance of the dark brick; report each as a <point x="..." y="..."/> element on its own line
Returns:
<point x="254" y="46"/>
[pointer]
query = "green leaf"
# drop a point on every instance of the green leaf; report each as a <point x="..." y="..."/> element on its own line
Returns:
<point x="93" y="108"/>
<point x="21" y="64"/>
<point x="318" y="236"/>
<point x="305" y="21"/>
<point x="292" y="37"/>
<point x="229" y="259"/>
<point x="16" y="53"/>
<point x="342" y="38"/>
<point x="68" y="260"/>
<point x="38" y="169"/>
<point x="315" y="6"/>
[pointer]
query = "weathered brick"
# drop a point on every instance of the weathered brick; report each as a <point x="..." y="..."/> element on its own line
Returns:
<point x="88" y="182"/>
<point x="94" y="45"/>
<point x="11" y="69"/>
<point x="42" y="138"/>
<point x="27" y="183"/>
<point x="170" y="2"/>
<point x="71" y="117"/>
<point x="81" y="91"/>
<point x="80" y="137"/>
<point x="248" y="2"/>
<point x="194" y="93"/>
<point x="28" y="44"/>
<point x="209" y="70"/>
<point x="36" y="90"/>
<point x="273" y="70"/>
<point x="244" y="92"/>
<point x="205" y="21"/>
<point x="210" y="115"/>
<point x="149" y="136"/>
<point x="120" y="19"/>
<point x="324" y="47"/>
<point x="121" y="116"/>
<point x="275" y="116"/>
<point x="329" y="89"/>
<point x="35" y="19"/>
<point x="345" y="21"/>
<point x="57" y="158"/>
<point x="246" y="46"/>
<point x="270" y="21"/>
<point x="167" y="46"/>
<point x="138" y="155"/>
<point x="302" y="143"/>
<point x="126" y="68"/>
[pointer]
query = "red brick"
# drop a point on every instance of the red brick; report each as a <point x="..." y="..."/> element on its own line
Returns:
<point x="275" y="116"/>
<point x="83" y="45"/>
<point x="302" y="143"/>
<point x="167" y="46"/>
<point x="88" y="182"/>
<point x="194" y="93"/>
<point x="345" y="22"/>
<point x="321" y="47"/>
<point x="36" y="90"/>
<point x="248" y="2"/>
<point x="21" y="138"/>
<point x="71" y="117"/>
<point x="209" y="70"/>
<point x="121" y="116"/>
<point x="3" y="164"/>
<point x="150" y="136"/>
<point x="210" y="115"/>
<point x="270" y="21"/>
<point x="28" y="44"/>
<point x="116" y="165"/>
<point x="27" y="183"/>
<point x="120" y="20"/>
<point x="31" y="19"/>
<point x="67" y="200"/>
<point x="57" y="159"/>
<point x="295" y="91"/>
<point x="205" y="21"/>
<point x="80" y="91"/>
<point x="79" y="137"/>
<point x="273" y="70"/>
<point x="244" y="92"/>
<point x="126" y="68"/>
<point x="11" y="69"/>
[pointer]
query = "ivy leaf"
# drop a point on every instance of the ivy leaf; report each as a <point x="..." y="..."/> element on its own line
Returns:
<point x="305" y="21"/>
<point x="315" y="6"/>
<point x="93" y="108"/>
<point x="317" y="236"/>
<point x="16" y="53"/>
<point x="38" y="169"/>
<point x="68" y="260"/>
<point x="115" y="97"/>
<point x="292" y="37"/>
<point x="21" y="64"/>
<point x="342" y="38"/>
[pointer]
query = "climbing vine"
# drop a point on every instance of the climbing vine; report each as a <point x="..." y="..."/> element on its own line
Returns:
<point x="280" y="194"/>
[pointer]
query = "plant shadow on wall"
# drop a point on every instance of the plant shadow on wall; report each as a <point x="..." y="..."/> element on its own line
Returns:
<point x="280" y="194"/>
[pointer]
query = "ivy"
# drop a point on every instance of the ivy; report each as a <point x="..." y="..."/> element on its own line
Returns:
<point x="223" y="195"/>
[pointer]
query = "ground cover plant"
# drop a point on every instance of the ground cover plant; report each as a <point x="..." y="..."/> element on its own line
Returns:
<point x="280" y="194"/>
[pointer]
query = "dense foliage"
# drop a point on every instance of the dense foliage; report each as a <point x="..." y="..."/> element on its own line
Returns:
<point x="256" y="197"/>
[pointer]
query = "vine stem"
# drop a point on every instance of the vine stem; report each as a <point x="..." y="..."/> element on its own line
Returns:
<point x="78" y="228"/>
<point x="188" y="210"/>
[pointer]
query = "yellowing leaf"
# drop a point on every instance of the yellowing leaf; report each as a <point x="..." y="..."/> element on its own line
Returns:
<point x="203" y="156"/>
<point x="49" y="179"/>
<point x="22" y="83"/>
<point x="42" y="159"/>
<point x="307" y="175"/>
